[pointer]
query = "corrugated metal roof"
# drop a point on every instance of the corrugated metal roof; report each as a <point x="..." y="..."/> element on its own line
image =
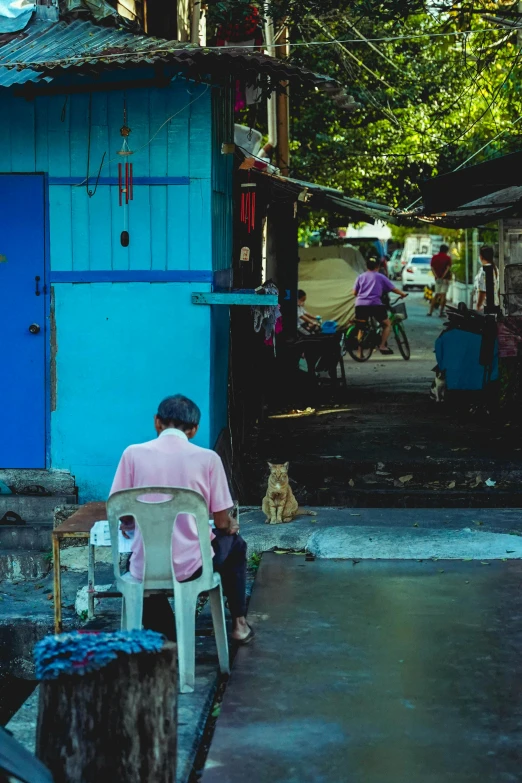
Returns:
<point x="472" y="196"/>
<point x="322" y="197"/>
<point x="45" y="49"/>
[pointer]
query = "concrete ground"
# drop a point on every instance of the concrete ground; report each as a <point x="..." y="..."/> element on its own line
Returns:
<point x="482" y="535"/>
<point x="392" y="533"/>
<point x="26" y="616"/>
<point x="387" y="672"/>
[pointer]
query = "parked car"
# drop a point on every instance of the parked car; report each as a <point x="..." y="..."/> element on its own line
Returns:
<point x="417" y="273"/>
<point x="395" y="265"/>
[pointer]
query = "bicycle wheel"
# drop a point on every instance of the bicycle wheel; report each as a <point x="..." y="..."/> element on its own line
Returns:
<point x="402" y="341"/>
<point x="359" y="350"/>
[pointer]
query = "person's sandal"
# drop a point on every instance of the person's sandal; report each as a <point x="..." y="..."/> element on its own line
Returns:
<point x="248" y="638"/>
<point x="386" y="351"/>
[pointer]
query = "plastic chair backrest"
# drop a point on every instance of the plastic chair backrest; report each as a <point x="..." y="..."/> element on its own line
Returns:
<point x="156" y="521"/>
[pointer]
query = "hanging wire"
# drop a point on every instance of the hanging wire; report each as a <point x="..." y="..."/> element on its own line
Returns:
<point x="123" y="56"/>
<point x="90" y="192"/>
<point x="64" y="109"/>
<point x="197" y="98"/>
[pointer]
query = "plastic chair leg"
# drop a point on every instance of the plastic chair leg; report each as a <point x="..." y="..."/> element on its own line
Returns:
<point x="123" y="614"/>
<point x="132" y="611"/>
<point x="185" y="615"/>
<point x="220" y="630"/>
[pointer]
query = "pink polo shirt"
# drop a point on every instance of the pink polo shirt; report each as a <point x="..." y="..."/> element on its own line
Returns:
<point x="172" y="461"/>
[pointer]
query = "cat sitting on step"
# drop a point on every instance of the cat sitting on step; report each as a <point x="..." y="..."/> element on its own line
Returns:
<point x="279" y="503"/>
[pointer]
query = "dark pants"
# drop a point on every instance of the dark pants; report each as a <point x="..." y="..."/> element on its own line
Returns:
<point x="230" y="563"/>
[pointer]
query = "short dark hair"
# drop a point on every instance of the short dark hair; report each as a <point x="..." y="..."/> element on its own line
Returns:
<point x="373" y="263"/>
<point x="301" y="294"/>
<point x="444" y="248"/>
<point x="179" y="412"/>
<point x="486" y="252"/>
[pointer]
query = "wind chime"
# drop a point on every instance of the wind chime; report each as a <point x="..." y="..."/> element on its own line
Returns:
<point x="248" y="213"/>
<point x="125" y="178"/>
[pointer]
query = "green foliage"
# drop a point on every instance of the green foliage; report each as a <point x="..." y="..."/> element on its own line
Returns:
<point x="430" y="96"/>
<point x="254" y="561"/>
<point x="429" y="101"/>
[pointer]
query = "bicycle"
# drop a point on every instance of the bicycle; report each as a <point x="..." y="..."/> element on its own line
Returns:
<point x="363" y="337"/>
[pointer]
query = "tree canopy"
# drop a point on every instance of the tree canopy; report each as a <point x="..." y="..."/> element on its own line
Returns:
<point x="437" y="82"/>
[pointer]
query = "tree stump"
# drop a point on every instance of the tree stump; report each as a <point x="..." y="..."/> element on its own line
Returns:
<point x="115" y="724"/>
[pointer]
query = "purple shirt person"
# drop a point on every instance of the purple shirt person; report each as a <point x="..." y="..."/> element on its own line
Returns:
<point x="370" y="287"/>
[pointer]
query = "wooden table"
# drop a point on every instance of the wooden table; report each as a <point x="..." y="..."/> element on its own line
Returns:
<point x="77" y="526"/>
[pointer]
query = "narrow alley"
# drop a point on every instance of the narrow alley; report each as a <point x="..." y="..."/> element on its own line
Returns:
<point x="260" y="512"/>
<point x="354" y="447"/>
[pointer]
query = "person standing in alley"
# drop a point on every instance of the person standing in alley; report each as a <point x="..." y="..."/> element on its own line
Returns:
<point x="441" y="268"/>
<point x="486" y="257"/>
<point x="170" y="460"/>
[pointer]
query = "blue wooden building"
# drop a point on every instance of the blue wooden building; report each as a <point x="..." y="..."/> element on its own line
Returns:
<point x="95" y="332"/>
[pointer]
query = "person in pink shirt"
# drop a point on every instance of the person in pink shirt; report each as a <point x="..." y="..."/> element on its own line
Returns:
<point x="170" y="460"/>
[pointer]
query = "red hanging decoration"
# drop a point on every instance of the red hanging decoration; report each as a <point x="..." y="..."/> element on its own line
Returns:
<point x="248" y="206"/>
<point x="125" y="185"/>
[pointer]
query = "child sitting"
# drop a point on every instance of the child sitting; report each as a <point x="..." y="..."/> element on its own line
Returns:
<point x="306" y="323"/>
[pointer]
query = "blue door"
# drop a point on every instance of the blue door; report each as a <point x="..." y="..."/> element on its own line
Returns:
<point x="22" y="321"/>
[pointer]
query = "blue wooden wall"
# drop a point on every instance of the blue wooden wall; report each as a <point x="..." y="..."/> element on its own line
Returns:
<point x="170" y="225"/>
<point x="122" y="345"/>
<point x="121" y="349"/>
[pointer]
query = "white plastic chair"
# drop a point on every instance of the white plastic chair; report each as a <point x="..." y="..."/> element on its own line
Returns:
<point x="156" y="522"/>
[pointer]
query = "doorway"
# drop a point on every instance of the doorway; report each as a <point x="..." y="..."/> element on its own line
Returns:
<point x="22" y="321"/>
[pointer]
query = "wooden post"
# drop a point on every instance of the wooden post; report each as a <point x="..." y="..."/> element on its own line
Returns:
<point x="284" y="225"/>
<point x="283" y="110"/>
<point x="114" y="724"/>
<point x="57" y="581"/>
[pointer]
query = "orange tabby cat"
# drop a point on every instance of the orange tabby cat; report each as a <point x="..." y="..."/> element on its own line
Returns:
<point x="279" y="503"/>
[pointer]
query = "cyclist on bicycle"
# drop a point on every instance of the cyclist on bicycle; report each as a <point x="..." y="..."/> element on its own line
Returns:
<point x="370" y="288"/>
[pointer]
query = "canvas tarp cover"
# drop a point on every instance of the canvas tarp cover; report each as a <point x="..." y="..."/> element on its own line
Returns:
<point x="328" y="275"/>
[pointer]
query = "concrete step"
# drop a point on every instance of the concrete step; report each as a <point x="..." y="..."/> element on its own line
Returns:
<point x="334" y="480"/>
<point x="414" y="498"/>
<point x="35" y="509"/>
<point x="20" y="565"/>
<point x="390" y="533"/>
<point x="36" y="538"/>
<point x="55" y="482"/>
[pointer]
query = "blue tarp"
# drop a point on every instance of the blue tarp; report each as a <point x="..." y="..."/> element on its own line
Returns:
<point x="458" y="353"/>
<point x="15" y="15"/>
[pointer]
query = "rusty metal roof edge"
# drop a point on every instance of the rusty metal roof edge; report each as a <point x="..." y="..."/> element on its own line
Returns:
<point x="50" y="47"/>
<point x="335" y="198"/>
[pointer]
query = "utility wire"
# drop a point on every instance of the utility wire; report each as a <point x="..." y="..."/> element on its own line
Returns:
<point x="350" y="54"/>
<point x="446" y="144"/>
<point x="515" y="122"/>
<point x="123" y="56"/>
<point x="112" y="160"/>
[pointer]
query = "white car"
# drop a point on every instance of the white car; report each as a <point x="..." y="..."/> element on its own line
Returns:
<point x="417" y="273"/>
<point x="395" y="265"/>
